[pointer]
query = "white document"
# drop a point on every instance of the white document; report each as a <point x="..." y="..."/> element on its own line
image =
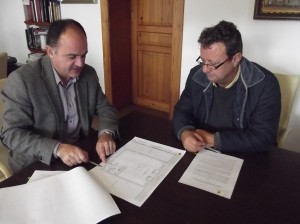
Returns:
<point x="70" y="197"/>
<point x="41" y="174"/>
<point x="213" y="172"/>
<point x="136" y="169"/>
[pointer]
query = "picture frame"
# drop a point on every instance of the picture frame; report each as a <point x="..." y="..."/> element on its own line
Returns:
<point x="277" y="9"/>
<point x="78" y="1"/>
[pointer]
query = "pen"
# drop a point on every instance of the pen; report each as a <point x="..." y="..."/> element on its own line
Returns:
<point x="96" y="164"/>
<point x="212" y="149"/>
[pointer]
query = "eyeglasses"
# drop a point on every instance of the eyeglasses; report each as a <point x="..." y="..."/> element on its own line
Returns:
<point x="213" y="67"/>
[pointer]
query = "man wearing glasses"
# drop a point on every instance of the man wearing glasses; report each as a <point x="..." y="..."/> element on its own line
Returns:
<point x="229" y="103"/>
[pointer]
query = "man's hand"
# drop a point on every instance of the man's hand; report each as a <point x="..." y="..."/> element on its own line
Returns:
<point x="209" y="138"/>
<point x="72" y="155"/>
<point x="192" y="141"/>
<point x="105" y="146"/>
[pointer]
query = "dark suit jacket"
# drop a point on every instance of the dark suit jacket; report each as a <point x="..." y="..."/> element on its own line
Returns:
<point x="33" y="114"/>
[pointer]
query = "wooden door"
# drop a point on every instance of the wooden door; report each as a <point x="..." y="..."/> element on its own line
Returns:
<point x="156" y="40"/>
<point x="156" y="52"/>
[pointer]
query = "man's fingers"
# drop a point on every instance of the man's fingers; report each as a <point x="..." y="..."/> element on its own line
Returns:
<point x="72" y="155"/>
<point x="112" y="147"/>
<point x="101" y="152"/>
<point x="103" y="156"/>
<point x="105" y="147"/>
<point x="83" y="156"/>
<point x="198" y="136"/>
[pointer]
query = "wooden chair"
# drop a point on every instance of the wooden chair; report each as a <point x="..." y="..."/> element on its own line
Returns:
<point x="288" y="87"/>
<point x="3" y="65"/>
<point x="4" y="170"/>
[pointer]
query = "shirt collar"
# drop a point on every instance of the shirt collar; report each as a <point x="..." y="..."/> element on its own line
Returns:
<point x="233" y="81"/>
<point x="58" y="79"/>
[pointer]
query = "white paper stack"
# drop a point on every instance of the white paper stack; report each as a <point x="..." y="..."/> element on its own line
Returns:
<point x="69" y="197"/>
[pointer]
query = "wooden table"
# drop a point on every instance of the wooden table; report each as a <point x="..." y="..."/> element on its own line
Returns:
<point x="267" y="189"/>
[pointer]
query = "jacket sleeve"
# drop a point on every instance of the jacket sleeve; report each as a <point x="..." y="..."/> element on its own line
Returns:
<point x="93" y="102"/>
<point x="183" y="117"/>
<point x="17" y="132"/>
<point x="106" y="113"/>
<point x="102" y="108"/>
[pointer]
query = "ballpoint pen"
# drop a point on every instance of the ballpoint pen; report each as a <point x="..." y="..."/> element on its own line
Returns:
<point x="96" y="164"/>
<point x="212" y="149"/>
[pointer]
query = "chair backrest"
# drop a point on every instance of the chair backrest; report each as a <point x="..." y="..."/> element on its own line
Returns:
<point x="5" y="172"/>
<point x="3" y="65"/>
<point x="288" y="87"/>
<point x="2" y="82"/>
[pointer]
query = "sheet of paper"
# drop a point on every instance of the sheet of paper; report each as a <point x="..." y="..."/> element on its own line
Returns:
<point x="213" y="172"/>
<point x="41" y="174"/>
<point x="70" y="197"/>
<point x="136" y="169"/>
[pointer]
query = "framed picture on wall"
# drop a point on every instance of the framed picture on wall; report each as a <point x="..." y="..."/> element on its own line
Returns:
<point x="277" y="9"/>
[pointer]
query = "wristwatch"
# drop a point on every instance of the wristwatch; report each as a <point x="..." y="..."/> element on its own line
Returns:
<point x="106" y="131"/>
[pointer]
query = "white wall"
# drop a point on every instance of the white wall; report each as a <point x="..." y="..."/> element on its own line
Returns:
<point x="270" y="43"/>
<point x="89" y="17"/>
<point x="273" y="44"/>
<point x="13" y="39"/>
<point x="12" y="29"/>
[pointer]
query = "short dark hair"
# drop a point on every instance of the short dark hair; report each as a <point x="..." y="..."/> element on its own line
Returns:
<point x="225" y="32"/>
<point x="58" y="27"/>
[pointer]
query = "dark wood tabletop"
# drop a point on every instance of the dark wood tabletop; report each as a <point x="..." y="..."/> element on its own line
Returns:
<point x="267" y="189"/>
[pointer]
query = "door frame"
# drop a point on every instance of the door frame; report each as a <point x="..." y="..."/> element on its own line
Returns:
<point x="106" y="49"/>
<point x="177" y="30"/>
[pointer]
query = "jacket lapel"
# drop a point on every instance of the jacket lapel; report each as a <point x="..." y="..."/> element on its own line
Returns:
<point x="82" y="101"/>
<point x="53" y="93"/>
